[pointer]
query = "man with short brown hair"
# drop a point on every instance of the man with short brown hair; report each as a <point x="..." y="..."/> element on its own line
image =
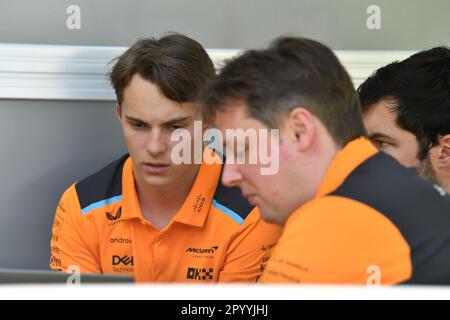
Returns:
<point x="351" y="214"/>
<point x="146" y="216"/>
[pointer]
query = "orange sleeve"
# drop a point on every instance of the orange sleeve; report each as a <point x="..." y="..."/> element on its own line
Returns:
<point x="335" y="240"/>
<point x="249" y="250"/>
<point x="68" y="244"/>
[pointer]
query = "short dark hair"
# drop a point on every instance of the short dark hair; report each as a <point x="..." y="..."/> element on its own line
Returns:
<point x="292" y="72"/>
<point x="178" y="65"/>
<point x="420" y="89"/>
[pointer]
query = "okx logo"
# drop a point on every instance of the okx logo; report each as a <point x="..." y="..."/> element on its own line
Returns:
<point x="201" y="274"/>
<point x="126" y="260"/>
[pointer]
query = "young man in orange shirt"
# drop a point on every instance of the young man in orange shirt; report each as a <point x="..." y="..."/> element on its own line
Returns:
<point x="144" y="215"/>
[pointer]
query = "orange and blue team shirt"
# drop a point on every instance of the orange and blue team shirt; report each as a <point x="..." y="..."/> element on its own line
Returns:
<point x="372" y="221"/>
<point x="216" y="236"/>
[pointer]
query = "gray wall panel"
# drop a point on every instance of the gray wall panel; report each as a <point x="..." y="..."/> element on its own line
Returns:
<point x="45" y="147"/>
<point x="406" y="24"/>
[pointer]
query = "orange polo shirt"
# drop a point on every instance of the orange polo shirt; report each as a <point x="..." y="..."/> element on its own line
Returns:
<point x="215" y="236"/>
<point x="371" y="222"/>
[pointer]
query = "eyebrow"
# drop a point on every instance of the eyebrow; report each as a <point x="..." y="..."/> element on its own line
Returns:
<point x="167" y="123"/>
<point x="378" y="135"/>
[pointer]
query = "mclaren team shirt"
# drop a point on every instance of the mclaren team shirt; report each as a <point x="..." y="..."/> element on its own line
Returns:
<point x="215" y="236"/>
<point x="372" y="221"/>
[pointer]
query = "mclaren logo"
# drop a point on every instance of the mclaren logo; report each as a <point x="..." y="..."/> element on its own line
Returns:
<point x="198" y="251"/>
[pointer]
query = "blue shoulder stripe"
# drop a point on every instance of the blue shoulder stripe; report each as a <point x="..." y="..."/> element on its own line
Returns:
<point x="100" y="204"/>
<point x="101" y="188"/>
<point x="233" y="215"/>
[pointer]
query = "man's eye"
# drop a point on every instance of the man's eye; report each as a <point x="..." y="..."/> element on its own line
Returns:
<point x="177" y="126"/>
<point x="380" y="144"/>
<point x="138" y="125"/>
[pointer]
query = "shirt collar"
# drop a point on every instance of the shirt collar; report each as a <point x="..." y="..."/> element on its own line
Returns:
<point x="197" y="204"/>
<point x="346" y="161"/>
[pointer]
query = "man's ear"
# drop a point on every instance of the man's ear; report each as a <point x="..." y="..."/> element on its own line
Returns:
<point x="444" y="150"/>
<point x="300" y="126"/>
<point x="119" y="111"/>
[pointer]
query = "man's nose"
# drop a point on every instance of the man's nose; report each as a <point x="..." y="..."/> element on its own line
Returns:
<point x="156" y="144"/>
<point x="231" y="176"/>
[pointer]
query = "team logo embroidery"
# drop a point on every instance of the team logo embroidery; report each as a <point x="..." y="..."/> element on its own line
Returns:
<point x="115" y="217"/>
<point x="201" y="274"/>
<point x="198" y="204"/>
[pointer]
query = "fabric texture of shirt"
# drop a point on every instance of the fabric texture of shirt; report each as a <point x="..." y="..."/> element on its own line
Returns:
<point x="215" y="236"/>
<point x="371" y="222"/>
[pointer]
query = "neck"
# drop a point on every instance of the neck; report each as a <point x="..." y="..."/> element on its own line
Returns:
<point x="159" y="205"/>
<point x="319" y="162"/>
<point x="445" y="182"/>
